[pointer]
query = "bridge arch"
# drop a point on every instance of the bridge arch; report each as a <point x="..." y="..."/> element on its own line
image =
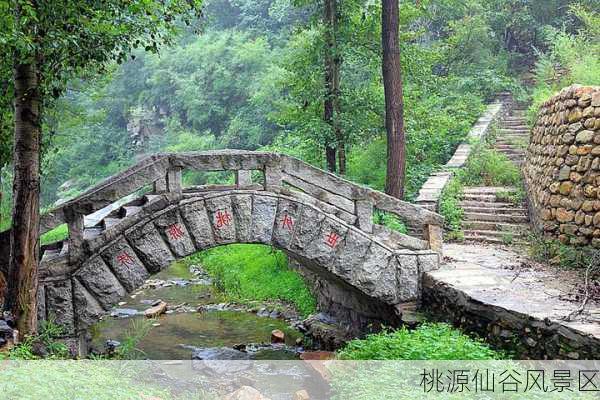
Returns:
<point x="317" y="218"/>
<point x="162" y="231"/>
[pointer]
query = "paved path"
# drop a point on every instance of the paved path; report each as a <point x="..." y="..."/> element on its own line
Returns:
<point x="511" y="291"/>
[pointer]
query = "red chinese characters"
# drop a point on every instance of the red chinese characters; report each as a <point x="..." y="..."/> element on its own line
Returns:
<point x="332" y="239"/>
<point x="125" y="260"/>
<point x="175" y="232"/>
<point x="287" y="222"/>
<point x="222" y="218"/>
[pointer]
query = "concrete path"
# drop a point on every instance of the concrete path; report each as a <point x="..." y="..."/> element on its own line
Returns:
<point x="517" y="299"/>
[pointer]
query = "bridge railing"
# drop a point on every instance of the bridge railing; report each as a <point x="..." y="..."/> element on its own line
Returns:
<point x="353" y="203"/>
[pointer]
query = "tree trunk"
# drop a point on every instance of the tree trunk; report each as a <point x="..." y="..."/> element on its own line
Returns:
<point x="332" y="89"/>
<point x="394" y="106"/>
<point x="22" y="280"/>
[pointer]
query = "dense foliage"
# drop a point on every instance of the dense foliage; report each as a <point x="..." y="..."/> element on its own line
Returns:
<point x="571" y="56"/>
<point x="254" y="79"/>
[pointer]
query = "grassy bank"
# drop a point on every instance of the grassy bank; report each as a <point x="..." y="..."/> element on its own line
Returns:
<point x="431" y="341"/>
<point x="246" y="272"/>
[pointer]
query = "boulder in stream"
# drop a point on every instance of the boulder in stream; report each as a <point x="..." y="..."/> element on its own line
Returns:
<point x="277" y="336"/>
<point x="123" y="312"/>
<point x="246" y="393"/>
<point x="155" y="311"/>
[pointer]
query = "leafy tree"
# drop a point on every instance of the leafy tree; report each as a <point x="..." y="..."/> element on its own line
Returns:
<point x="49" y="42"/>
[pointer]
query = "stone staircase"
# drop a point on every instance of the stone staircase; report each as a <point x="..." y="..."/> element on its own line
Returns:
<point x="489" y="216"/>
<point x="513" y="136"/>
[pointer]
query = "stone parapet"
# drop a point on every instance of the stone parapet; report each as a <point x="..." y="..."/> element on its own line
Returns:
<point x="562" y="168"/>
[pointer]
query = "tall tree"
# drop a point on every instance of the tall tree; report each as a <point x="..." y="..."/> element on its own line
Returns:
<point x="394" y="103"/>
<point x="331" y="112"/>
<point x="48" y="42"/>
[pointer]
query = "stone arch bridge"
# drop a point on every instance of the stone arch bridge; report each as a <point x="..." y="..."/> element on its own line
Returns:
<point x="137" y="223"/>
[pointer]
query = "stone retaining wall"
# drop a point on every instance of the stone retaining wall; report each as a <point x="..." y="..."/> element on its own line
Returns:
<point x="526" y="336"/>
<point x="562" y="168"/>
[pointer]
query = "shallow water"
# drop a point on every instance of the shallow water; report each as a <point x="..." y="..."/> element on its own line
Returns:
<point x="207" y="329"/>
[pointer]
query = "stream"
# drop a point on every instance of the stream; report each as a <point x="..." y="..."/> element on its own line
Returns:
<point x="211" y="333"/>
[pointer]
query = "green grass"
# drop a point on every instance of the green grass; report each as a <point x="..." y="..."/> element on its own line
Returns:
<point x="389" y="220"/>
<point x="431" y="341"/>
<point x="487" y="167"/>
<point x="450" y="206"/>
<point x="57" y="234"/>
<point x="247" y="272"/>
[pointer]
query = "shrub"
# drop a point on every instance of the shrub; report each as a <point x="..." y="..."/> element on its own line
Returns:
<point x="431" y="341"/>
<point x="450" y="205"/>
<point x="557" y="253"/>
<point x="389" y="220"/>
<point x="487" y="167"/>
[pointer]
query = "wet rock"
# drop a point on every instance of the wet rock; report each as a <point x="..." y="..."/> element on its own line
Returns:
<point x="219" y="353"/>
<point x="179" y="282"/>
<point x="263" y="312"/>
<point x="220" y="307"/>
<point x="274" y="314"/>
<point x="111" y="345"/>
<point x="155" y="311"/>
<point x="246" y="393"/>
<point x="326" y="332"/>
<point x="301" y="395"/>
<point x="5" y="329"/>
<point x="277" y="336"/>
<point x="123" y="312"/>
<point x="151" y="302"/>
<point x="209" y="360"/>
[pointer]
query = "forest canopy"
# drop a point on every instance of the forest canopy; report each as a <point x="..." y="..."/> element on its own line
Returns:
<point x="253" y="79"/>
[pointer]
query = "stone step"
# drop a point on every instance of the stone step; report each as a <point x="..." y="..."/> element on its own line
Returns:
<point x="495" y="226"/>
<point x="478" y="237"/>
<point x="504" y="146"/>
<point x="512" y="132"/>
<point x="495" y="217"/>
<point x="515" y="126"/>
<point x="512" y="152"/>
<point x="488" y="198"/>
<point x="486" y="189"/>
<point x="519" y="136"/>
<point x="488" y="204"/>
<point x="519" y="143"/>
<point x="493" y="210"/>
<point x="498" y="234"/>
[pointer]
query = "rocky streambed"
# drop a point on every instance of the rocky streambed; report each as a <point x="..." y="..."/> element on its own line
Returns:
<point x="184" y="319"/>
